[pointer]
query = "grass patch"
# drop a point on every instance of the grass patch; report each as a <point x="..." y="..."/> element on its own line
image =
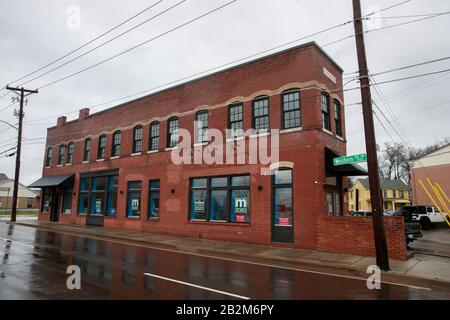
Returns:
<point x="19" y="213"/>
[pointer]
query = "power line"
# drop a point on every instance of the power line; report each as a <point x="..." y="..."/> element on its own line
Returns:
<point x="139" y="45"/>
<point x="89" y="42"/>
<point x="105" y="43"/>
<point x="415" y="76"/>
<point x="410" y="66"/>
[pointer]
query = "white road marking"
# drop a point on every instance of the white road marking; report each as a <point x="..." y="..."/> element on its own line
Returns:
<point x="75" y="233"/>
<point x="197" y="286"/>
<point x="17" y="242"/>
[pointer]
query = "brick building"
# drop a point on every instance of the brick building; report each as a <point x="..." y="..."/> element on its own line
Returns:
<point x="115" y="168"/>
<point x="435" y="166"/>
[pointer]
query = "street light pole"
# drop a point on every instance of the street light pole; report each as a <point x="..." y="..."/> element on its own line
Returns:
<point x="372" y="161"/>
<point x="19" y="147"/>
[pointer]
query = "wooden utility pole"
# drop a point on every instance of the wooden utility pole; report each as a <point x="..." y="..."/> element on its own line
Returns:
<point x="19" y="147"/>
<point x="372" y="161"/>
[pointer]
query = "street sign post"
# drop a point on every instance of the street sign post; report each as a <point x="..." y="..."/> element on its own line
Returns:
<point x="350" y="159"/>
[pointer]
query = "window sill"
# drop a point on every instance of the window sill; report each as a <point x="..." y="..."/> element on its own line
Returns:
<point x="115" y="157"/>
<point x="84" y="162"/>
<point x="340" y="138"/>
<point x="99" y="160"/>
<point x="47" y="167"/>
<point x="59" y="165"/>
<point x="68" y="164"/>
<point x="153" y="220"/>
<point x="200" y="144"/>
<point x="171" y="148"/>
<point x="291" y="130"/>
<point x="152" y="151"/>
<point x="258" y="135"/>
<point x="235" y="139"/>
<point x="235" y="224"/>
<point x="136" y="154"/>
<point x="328" y="131"/>
<point x="133" y="218"/>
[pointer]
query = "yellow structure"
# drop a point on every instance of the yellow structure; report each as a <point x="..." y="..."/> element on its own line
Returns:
<point x="396" y="193"/>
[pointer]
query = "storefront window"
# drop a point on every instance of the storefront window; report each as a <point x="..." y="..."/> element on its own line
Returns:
<point x="111" y="207"/>
<point x="134" y="199"/>
<point x="334" y="203"/>
<point x="46" y="202"/>
<point x="98" y="195"/>
<point x="153" y="202"/>
<point x="221" y="199"/>
<point x="282" y="198"/>
<point x="67" y="202"/>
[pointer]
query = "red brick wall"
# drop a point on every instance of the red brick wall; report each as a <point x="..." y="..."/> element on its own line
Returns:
<point x="354" y="235"/>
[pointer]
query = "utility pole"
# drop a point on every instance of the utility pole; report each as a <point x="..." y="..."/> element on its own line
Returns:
<point x="371" y="149"/>
<point x="19" y="147"/>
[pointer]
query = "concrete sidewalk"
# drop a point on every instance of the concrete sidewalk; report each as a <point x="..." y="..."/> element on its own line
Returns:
<point x="418" y="266"/>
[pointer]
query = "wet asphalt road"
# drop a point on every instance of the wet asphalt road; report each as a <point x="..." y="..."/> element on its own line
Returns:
<point x="34" y="262"/>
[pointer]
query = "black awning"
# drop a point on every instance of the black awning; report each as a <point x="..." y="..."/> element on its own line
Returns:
<point x="53" y="181"/>
<point x="345" y="170"/>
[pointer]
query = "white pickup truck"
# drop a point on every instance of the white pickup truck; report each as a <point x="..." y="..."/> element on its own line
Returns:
<point x="426" y="215"/>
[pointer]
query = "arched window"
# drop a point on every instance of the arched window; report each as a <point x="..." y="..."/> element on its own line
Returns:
<point x="236" y="119"/>
<point x="87" y="149"/>
<point x="172" y="132"/>
<point x="325" y="104"/>
<point x="153" y="143"/>
<point x="70" y="147"/>
<point x="260" y="114"/>
<point x="137" y="139"/>
<point x="48" y="160"/>
<point x="115" y="152"/>
<point x="201" y="126"/>
<point x="337" y="118"/>
<point x="61" y="154"/>
<point x="290" y="109"/>
<point x="101" y="147"/>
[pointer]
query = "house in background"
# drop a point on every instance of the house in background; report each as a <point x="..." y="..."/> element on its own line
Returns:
<point x="396" y="193"/>
<point x="27" y="198"/>
<point x="436" y="167"/>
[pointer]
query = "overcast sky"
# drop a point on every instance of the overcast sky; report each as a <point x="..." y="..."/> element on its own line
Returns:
<point x="34" y="33"/>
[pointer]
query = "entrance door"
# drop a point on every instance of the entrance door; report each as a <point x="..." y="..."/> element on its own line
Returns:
<point x="282" y="207"/>
<point x="54" y="216"/>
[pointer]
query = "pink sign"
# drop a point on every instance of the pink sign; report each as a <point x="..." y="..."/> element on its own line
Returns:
<point x="240" y="218"/>
<point x="283" y="221"/>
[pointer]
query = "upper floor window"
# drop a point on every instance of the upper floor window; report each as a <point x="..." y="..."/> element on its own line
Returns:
<point x="115" y="151"/>
<point x="137" y="139"/>
<point x="62" y="153"/>
<point x="201" y="126"/>
<point x="325" y="102"/>
<point x="337" y="118"/>
<point x="261" y="115"/>
<point x="48" y="159"/>
<point x="172" y="132"/>
<point x="236" y="120"/>
<point x="101" y="147"/>
<point x="87" y="149"/>
<point x="291" y="109"/>
<point x="70" y="147"/>
<point x="154" y="136"/>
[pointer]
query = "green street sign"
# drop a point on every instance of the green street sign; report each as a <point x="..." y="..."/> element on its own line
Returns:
<point x="350" y="159"/>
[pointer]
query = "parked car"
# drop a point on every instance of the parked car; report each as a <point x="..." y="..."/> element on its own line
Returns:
<point x="425" y="215"/>
<point x="413" y="230"/>
<point x="364" y="213"/>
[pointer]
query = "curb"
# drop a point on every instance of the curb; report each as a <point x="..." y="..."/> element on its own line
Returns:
<point x="393" y="275"/>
